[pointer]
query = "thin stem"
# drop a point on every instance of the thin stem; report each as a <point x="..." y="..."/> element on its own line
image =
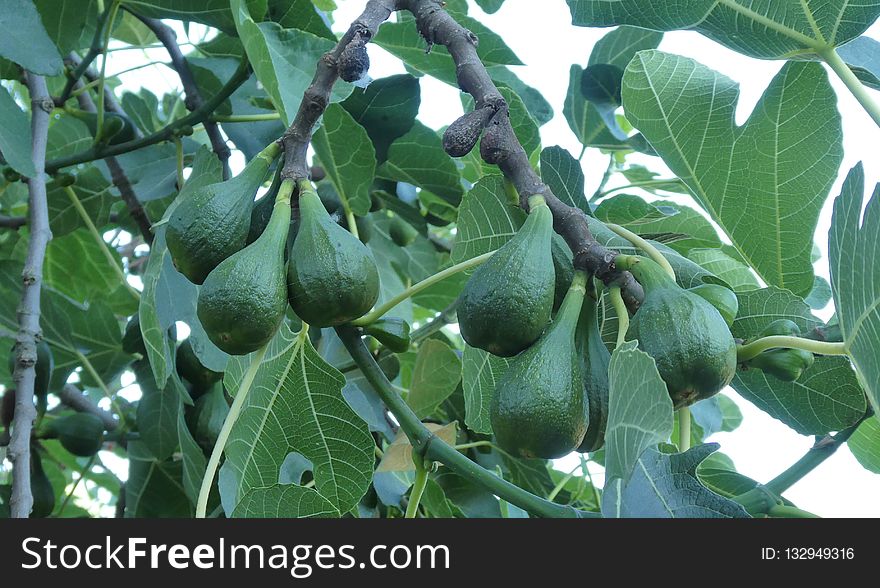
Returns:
<point x="817" y="454"/>
<point x="421" y="481"/>
<point x="102" y="79"/>
<point x="87" y="365"/>
<point x="350" y="220"/>
<point x="96" y="235"/>
<point x="432" y="448"/>
<point x="240" y="397"/>
<point x="645" y="184"/>
<point x="245" y="118"/>
<point x="180" y="179"/>
<point x="622" y="314"/>
<point x="645" y="246"/>
<point x="418" y="287"/>
<point x="91" y="54"/>
<point x="82" y="475"/>
<point x="605" y="177"/>
<point x="475" y="444"/>
<point x="164" y="134"/>
<point x="755" y="348"/>
<point x="684" y="429"/>
<point x="858" y="90"/>
<point x="561" y="484"/>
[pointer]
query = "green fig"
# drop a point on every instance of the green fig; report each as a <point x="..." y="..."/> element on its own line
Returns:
<point x="722" y="298"/>
<point x="262" y="210"/>
<point x="80" y="433"/>
<point x="595" y="362"/>
<point x="205" y="418"/>
<point x="787" y="365"/>
<point x="332" y="278"/>
<point x="41" y="489"/>
<point x="393" y="333"/>
<point x="506" y="303"/>
<point x="538" y="409"/>
<point x="115" y="129"/>
<point x="191" y="369"/>
<point x="212" y="222"/>
<point x="401" y="232"/>
<point x="687" y="336"/>
<point x="243" y="300"/>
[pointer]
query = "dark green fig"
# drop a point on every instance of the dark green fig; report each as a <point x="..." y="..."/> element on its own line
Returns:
<point x="263" y="207"/>
<point x="687" y="336"/>
<point x="354" y="61"/>
<point x="538" y="409"/>
<point x="461" y="136"/>
<point x="206" y="417"/>
<point x="212" y="222"/>
<point x="506" y="303"/>
<point x="723" y="299"/>
<point x="563" y="268"/>
<point x="595" y="362"/>
<point x="10" y="175"/>
<point x="41" y="488"/>
<point x="191" y="369"/>
<point x="365" y="228"/>
<point x="42" y="369"/>
<point x="787" y="365"/>
<point x="64" y="180"/>
<point x="133" y="339"/>
<point x="401" y="232"/>
<point x="332" y="278"/>
<point x="393" y="333"/>
<point x="80" y="433"/>
<point x="243" y="300"/>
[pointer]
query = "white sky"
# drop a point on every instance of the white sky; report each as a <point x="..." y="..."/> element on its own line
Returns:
<point x="543" y="38"/>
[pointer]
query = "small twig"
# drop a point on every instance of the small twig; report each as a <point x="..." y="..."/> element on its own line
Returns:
<point x="72" y="397"/>
<point x="12" y="222"/>
<point x="29" y="331"/>
<point x="83" y="64"/>
<point x="119" y="177"/>
<point x="193" y="101"/>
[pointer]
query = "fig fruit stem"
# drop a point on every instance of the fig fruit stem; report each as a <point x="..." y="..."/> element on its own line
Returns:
<point x="755" y="348"/>
<point x="96" y="235"/>
<point x="645" y="246"/>
<point x="684" y="429"/>
<point x="245" y="118"/>
<point x="418" y="489"/>
<point x="853" y="84"/>
<point x="380" y="311"/>
<point x="622" y="314"/>
<point x="432" y="448"/>
<point x="214" y="461"/>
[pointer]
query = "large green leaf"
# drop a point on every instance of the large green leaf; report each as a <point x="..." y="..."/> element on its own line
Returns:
<point x="480" y="372"/>
<point x="299" y="14"/>
<point x="284" y="60"/>
<point x="487" y="219"/>
<point x="154" y="488"/>
<point x="639" y="410"/>
<point x="854" y="246"/>
<point x="387" y="109"/>
<point x="666" y="486"/>
<point x="95" y="195"/>
<point x="69" y="23"/>
<point x="295" y="405"/>
<point x="827" y="397"/>
<point x="565" y="177"/>
<point x="348" y="157"/>
<point x="765" y="182"/>
<point x="418" y="158"/>
<point x="615" y="49"/>
<point x="15" y="135"/>
<point x="284" y="501"/>
<point x="25" y="41"/>
<point x="435" y="376"/>
<point x="214" y="13"/>
<point x="77" y="266"/>
<point x="768" y="29"/>
<point x="865" y="444"/>
<point x="863" y="57"/>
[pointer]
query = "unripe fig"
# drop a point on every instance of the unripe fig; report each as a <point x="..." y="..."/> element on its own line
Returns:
<point x="461" y="137"/>
<point x="354" y="62"/>
<point x="401" y="232"/>
<point x="65" y="180"/>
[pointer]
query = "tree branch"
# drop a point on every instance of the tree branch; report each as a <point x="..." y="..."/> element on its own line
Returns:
<point x="12" y="222"/>
<point x="72" y="397"/>
<point x="168" y="132"/>
<point x="298" y="136"/>
<point x="110" y="102"/>
<point x="83" y="64"/>
<point x="29" y="331"/>
<point x="118" y="176"/>
<point x="193" y="101"/>
<point x="432" y="448"/>
<point x="501" y="147"/>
